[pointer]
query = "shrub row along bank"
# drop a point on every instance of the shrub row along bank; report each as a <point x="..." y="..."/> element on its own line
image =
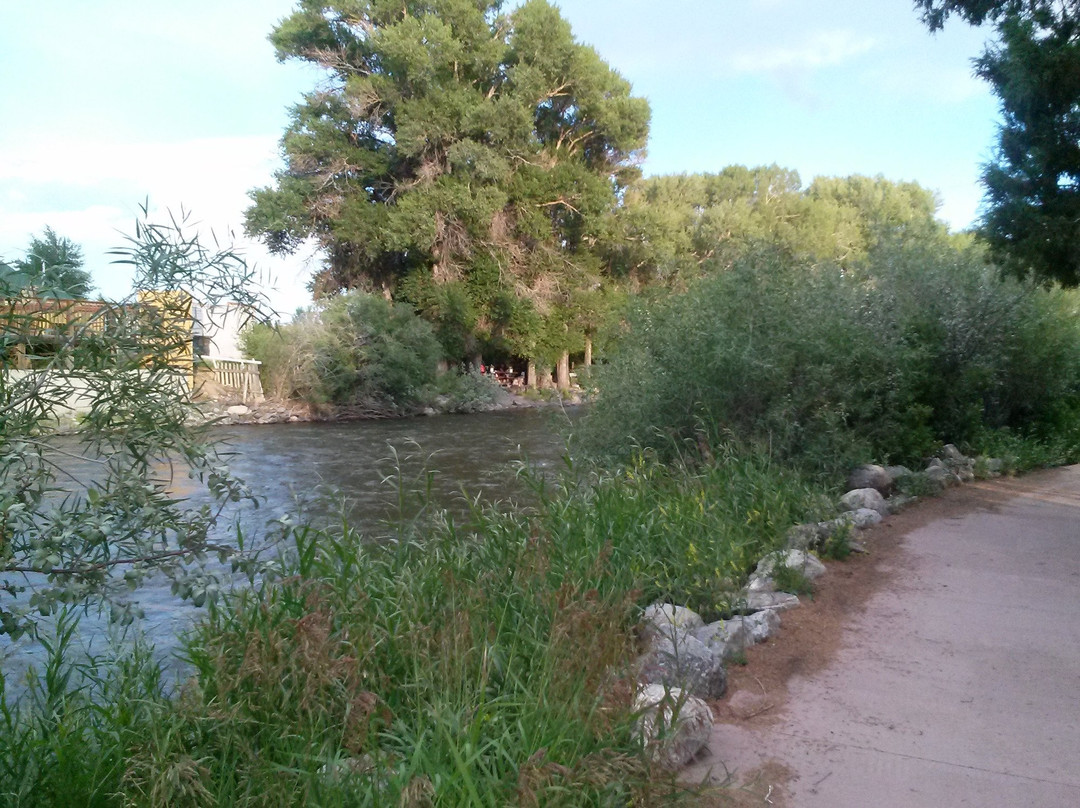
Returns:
<point x="921" y="345"/>
<point x="488" y="667"/>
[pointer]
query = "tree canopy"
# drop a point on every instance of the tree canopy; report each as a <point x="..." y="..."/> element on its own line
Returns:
<point x="1032" y="213"/>
<point x="458" y="157"/>
<point x="52" y="266"/>
<point x="976" y="12"/>
<point x="671" y="229"/>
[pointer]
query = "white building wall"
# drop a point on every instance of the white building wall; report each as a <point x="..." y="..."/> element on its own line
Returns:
<point x="221" y="325"/>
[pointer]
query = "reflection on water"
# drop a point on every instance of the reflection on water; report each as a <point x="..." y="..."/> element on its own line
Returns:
<point x="458" y="458"/>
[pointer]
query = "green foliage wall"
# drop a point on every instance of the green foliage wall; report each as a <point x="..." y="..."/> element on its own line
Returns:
<point x="672" y="229"/>
<point x="919" y="343"/>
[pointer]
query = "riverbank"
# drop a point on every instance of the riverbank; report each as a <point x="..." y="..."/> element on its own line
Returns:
<point x="443" y="665"/>
<point x="229" y="412"/>
<point x="443" y="668"/>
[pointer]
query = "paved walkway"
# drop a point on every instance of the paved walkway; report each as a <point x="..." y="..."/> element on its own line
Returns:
<point x="959" y="684"/>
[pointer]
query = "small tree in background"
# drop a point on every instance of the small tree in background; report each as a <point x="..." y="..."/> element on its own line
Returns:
<point x="53" y="267"/>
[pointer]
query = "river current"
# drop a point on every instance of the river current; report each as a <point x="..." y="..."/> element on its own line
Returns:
<point x="375" y="470"/>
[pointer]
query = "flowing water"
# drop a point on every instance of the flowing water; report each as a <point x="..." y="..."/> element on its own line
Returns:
<point x="377" y="469"/>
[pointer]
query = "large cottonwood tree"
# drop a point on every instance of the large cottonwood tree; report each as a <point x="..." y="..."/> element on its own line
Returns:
<point x="457" y="157"/>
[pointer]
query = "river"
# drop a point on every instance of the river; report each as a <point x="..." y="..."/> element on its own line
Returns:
<point x="363" y="465"/>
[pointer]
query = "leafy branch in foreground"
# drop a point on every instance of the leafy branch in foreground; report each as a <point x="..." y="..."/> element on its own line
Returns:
<point x="86" y="515"/>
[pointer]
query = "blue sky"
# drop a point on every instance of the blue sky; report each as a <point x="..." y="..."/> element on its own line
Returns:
<point x="105" y="104"/>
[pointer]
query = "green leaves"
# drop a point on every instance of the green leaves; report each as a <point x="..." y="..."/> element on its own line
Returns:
<point x="828" y="366"/>
<point x="84" y="517"/>
<point x="671" y="229"/>
<point x="1032" y="213"/>
<point x="451" y="139"/>
<point x="52" y="268"/>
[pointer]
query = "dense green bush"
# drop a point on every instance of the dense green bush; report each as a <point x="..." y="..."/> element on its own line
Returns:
<point x="921" y="344"/>
<point x="357" y="349"/>
<point x="362" y="350"/>
<point x="372" y="350"/>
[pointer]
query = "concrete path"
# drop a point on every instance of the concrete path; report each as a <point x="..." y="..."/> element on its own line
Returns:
<point x="958" y="684"/>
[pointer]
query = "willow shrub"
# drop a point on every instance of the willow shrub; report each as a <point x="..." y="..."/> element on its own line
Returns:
<point x="356" y="349"/>
<point x="826" y="367"/>
<point x="360" y="349"/>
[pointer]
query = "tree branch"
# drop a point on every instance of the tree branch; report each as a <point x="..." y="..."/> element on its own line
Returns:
<point x="103" y="565"/>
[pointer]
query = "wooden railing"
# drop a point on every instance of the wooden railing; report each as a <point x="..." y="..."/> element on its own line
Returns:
<point x="40" y="317"/>
<point x="238" y="375"/>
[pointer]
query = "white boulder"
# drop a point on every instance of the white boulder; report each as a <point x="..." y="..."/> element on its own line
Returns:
<point x="685" y="662"/>
<point x="773" y="601"/>
<point x="761" y="625"/>
<point x="725" y="638"/>
<point x="865" y="498"/>
<point x="798" y="560"/>
<point x="667" y="620"/>
<point x="871" y="476"/>
<point x="673" y="726"/>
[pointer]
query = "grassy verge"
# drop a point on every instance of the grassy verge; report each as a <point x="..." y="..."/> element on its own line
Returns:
<point x="484" y="667"/>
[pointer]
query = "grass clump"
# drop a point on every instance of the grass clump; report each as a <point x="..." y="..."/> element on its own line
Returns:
<point x="792" y="580"/>
<point x="837" y="545"/>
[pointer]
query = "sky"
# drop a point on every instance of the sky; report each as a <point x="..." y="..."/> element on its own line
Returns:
<point x="108" y="104"/>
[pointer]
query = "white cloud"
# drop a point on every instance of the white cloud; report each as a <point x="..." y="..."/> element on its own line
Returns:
<point x="185" y="165"/>
<point x="89" y="224"/>
<point x="949" y="85"/>
<point x="93" y="194"/>
<point x="822" y="49"/>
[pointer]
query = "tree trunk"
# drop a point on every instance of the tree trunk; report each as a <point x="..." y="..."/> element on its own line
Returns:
<point x="563" y="372"/>
<point x="588" y="351"/>
<point x="530" y="375"/>
<point x="477" y="361"/>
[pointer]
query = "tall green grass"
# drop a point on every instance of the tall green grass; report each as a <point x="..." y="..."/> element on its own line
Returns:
<point x="66" y="736"/>
<point x="486" y="666"/>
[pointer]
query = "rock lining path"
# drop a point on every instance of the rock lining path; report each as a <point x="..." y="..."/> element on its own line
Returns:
<point x="954" y="682"/>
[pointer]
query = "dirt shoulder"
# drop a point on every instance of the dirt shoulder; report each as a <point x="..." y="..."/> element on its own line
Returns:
<point x="768" y="740"/>
<point x="811" y="635"/>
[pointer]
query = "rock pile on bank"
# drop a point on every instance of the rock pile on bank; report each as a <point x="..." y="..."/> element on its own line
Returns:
<point x="683" y="663"/>
<point x="265" y="412"/>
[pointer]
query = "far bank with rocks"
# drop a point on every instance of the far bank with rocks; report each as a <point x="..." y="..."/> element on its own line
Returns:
<point x="228" y="412"/>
